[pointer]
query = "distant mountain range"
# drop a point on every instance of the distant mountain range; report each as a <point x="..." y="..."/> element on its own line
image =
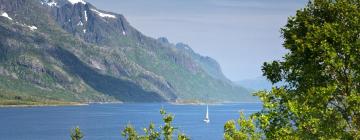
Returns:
<point x="258" y="83"/>
<point x="54" y="51"/>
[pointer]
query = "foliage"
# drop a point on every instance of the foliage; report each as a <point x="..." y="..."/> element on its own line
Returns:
<point x="130" y="133"/>
<point x="76" y="134"/>
<point x="321" y="97"/>
<point x="247" y="129"/>
<point x="151" y="134"/>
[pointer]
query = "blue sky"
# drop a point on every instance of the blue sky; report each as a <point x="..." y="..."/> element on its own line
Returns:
<point x="239" y="34"/>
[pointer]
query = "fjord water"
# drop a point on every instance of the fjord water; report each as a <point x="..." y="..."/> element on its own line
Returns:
<point x="105" y="121"/>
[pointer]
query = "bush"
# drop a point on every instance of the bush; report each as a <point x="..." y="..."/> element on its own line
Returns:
<point x="76" y="134"/>
<point x="166" y="133"/>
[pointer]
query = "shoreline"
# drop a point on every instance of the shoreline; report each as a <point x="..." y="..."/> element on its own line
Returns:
<point x="57" y="105"/>
<point x="214" y="103"/>
<point x="116" y="102"/>
<point x="42" y="105"/>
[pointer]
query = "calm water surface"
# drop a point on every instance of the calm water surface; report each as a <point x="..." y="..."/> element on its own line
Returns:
<point x="105" y="122"/>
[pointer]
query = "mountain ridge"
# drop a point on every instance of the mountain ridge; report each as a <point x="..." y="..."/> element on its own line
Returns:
<point x="88" y="54"/>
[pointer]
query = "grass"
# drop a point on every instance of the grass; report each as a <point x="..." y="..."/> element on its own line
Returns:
<point x="13" y="99"/>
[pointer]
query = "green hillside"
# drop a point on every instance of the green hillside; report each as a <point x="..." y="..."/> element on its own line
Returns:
<point x="73" y="53"/>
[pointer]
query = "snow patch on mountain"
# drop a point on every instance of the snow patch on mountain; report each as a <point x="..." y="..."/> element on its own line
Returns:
<point x="6" y="15"/>
<point x="51" y="4"/>
<point x="77" y="1"/>
<point x="104" y="15"/>
<point x="32" y="28"/>
<point x="86" y="17"/>
<point x="80" y="23"/>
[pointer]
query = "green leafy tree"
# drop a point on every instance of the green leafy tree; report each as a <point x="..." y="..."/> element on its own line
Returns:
<point x="247" y="129"/>
<point x="167" y="130"/>
<point x="151" y="133"/>
<point x="321" y="72"/>
<point x="182" y="136"/>
<point x="76" y="134"/>
<point x="130" y="133"/>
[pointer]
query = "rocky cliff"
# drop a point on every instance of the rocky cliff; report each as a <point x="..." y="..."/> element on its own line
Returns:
<point x="68" y="50"/>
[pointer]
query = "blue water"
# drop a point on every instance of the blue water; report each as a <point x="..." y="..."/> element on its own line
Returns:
<point x="105" y="121"/>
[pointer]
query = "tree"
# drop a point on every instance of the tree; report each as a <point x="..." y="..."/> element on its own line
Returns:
<point x="167" y="130"/>
<point x="321" y="97"/>
<point x="247" y="129"/>
<point x="76" y="134"/>
<point x="130" y="133"/>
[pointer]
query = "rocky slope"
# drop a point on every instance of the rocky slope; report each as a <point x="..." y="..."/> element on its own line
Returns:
<point x="68" y="50"/>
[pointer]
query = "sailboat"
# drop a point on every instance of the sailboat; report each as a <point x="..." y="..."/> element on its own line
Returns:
<point x="207" y="120"/>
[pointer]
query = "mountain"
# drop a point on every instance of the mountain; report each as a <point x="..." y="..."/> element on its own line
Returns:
<point x="60" y="51"/>
<point x="258" y="83"/>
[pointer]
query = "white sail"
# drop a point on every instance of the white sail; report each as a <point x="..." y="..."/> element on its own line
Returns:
<point x="207" y="120"/>
<point x="207" y="112"/>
